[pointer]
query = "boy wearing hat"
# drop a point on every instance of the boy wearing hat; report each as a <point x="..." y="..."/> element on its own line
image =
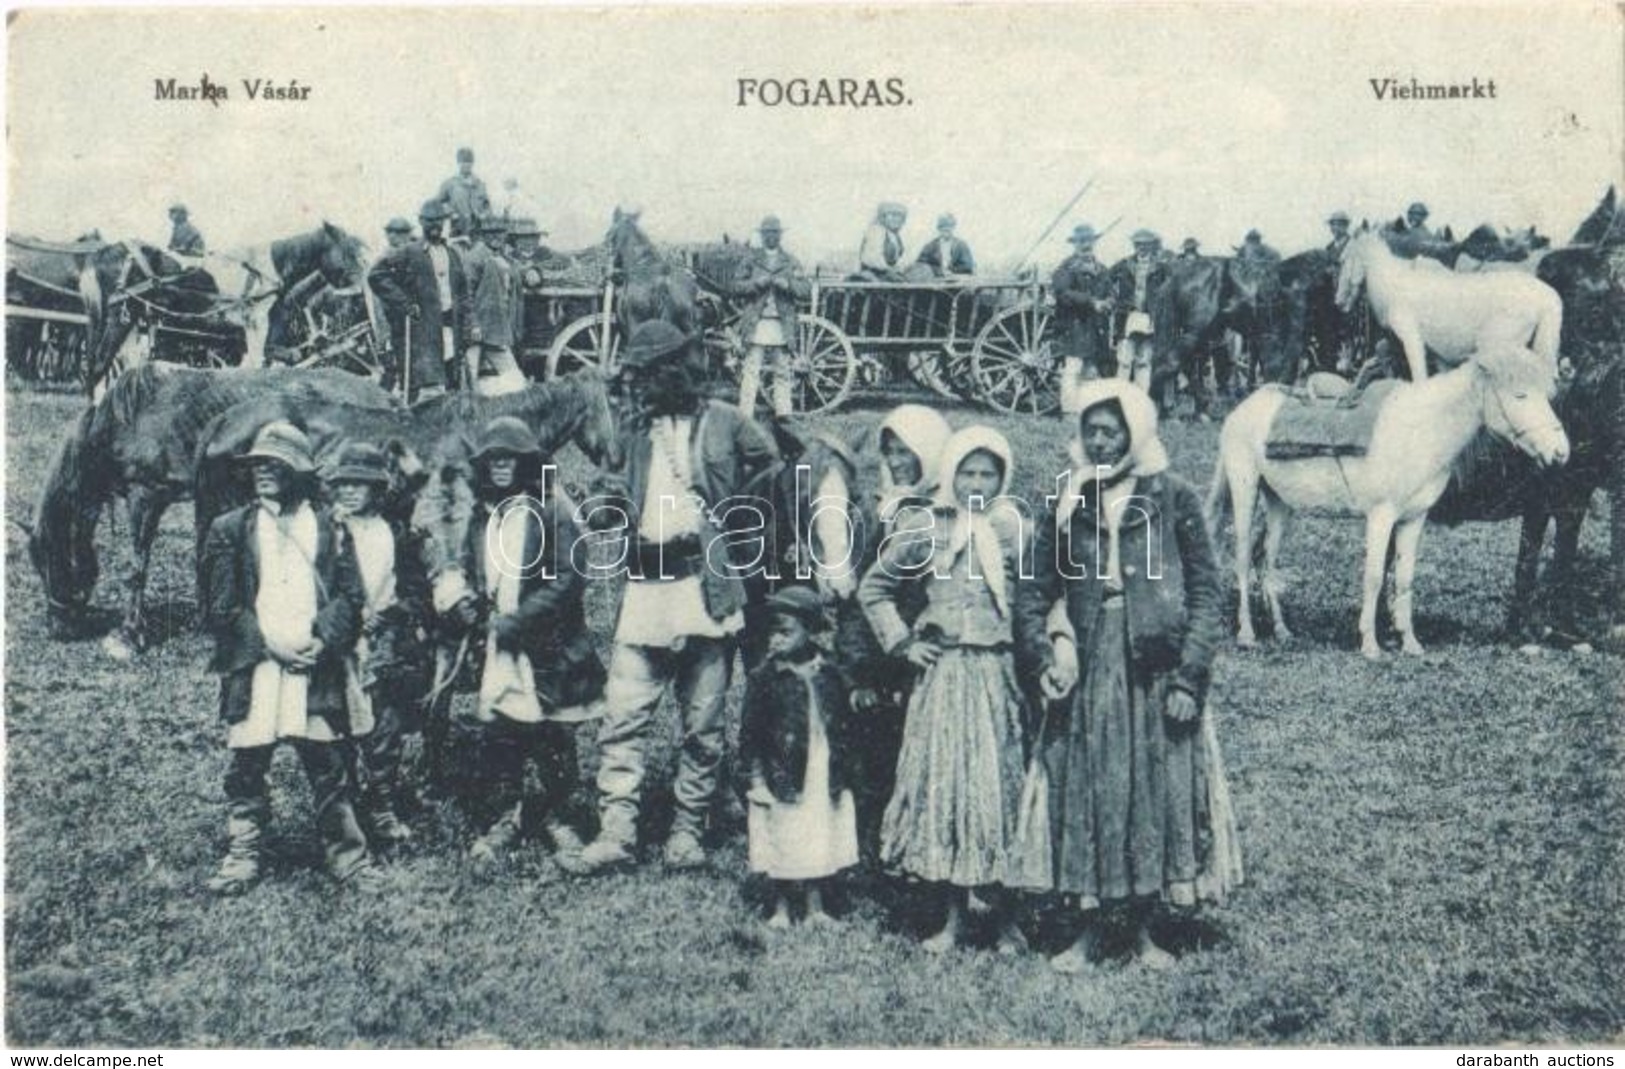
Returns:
<point x="385" y="676"/>
<point x="424" y="294"/>
<point x="682" y="606"/>
<point x="1083" y="304"/>
<point x="282" y="596"/>
<point x="464" y="196"/>
<point x="494" y="307"/>
<point x="795" y="754"/>
<point x="522" y="596"/>
<point x="769" y="283"/>
<point x="947" y="255"/>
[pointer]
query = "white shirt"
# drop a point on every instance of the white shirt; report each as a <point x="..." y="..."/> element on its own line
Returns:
<point x="441" y="259"/>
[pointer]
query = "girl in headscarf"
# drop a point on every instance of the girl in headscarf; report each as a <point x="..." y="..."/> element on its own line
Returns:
<point x="951" y="819"/>
<point x="908" y="443"/>
<point x="1136" y="813"/>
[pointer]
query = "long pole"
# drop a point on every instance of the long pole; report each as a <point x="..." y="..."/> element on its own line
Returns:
<point x="1048" y="230"/>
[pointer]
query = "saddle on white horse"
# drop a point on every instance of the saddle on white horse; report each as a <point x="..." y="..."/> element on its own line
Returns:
<point x="1317" y="420"/>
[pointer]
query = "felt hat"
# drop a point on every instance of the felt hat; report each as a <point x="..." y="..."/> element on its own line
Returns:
<point x="946" y="219"/>
<point x="1144" y="237"/>
<point x="1190" y="245"/>
<point x="434" y="211"/>
<point x="465" y="155"/>
<point x="281" y="440"/>
<point x="507" y="434"/>
<point x="398" y="225"/>
<point x="359" y="462"/>
<point x="177" y="209"/>
<point x="491" y="224"/>
<point x="651" y="341"/>
<point x="1253" y="235"/>
<point x="1083" y="234"/>
<point x="524" y="226"/>
<point x="1418" y="208"/>
<point x="771" y="222"/>
<point x="801" y="602"/>
<point x="1338" y="217"/>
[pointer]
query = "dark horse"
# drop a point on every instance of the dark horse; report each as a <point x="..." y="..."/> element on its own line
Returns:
<point x="138" y="443"/>
<point x="651" y="288"/>
<point x="219" y="297"/>
<point x="160" y="433"/>
<point x="1201" y="299"/>
<point x="1496" y="483"/>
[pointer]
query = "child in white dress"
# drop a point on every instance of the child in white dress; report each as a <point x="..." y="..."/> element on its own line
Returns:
<point x="795" y="752"/>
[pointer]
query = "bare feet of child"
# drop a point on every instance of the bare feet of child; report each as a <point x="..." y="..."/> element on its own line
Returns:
<point x="816" y="917"/>
<point x="1150" y="954"/>
<point x="1011" y="940"/>
<point x="780" y="921"/>
<point x="1076" y="958"/>
<point x="948" y="938"/>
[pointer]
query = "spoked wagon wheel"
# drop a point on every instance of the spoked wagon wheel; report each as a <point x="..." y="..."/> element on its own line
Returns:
<point x="1014" y="362"/>
<point x="959" y="372"/>
<point x="591" y="341"/>
<point x="822" y="364"/>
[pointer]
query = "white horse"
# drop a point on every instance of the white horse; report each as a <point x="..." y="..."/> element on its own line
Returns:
<point x="1420" y="429"/>
<point x="1446" y="311"/>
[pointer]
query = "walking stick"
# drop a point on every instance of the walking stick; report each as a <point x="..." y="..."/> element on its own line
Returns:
<point x="406" y="364"/>
<point x="1048" y="230"/>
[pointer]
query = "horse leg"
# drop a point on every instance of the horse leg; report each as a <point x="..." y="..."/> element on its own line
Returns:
<point x="1416" y="352"/>
<point x="1243" y="500"/>
<point x="1379" y="527"/>
<point x="1560" y="577"/>
<point x="146" y="506"/>
<point x="1407" y="543"/>
<point x="1277" y="517"/>
<point x="1531" y="534"/>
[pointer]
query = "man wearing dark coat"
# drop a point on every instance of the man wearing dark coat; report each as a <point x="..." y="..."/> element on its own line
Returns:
<point x="769" y="283"/>
<point x="947" y="255"/>
<point x="1083" y="303"/>
<point x="184" y="238"/>
<point x="494" y="311"/>
<point x="1136" y="281"/>
<point x="282" y="596"/>
<point x="425" y="298"/>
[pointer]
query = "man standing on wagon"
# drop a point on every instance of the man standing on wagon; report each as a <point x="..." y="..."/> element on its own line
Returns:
<point x="769" y="283"/>
<point x="493" y="322"/>
<point x="422" y="289"/>
<point x="683" y="602"/>
<point x="464" y="196"/>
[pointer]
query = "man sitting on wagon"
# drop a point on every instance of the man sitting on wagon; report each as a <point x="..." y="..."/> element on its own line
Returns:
<point x="184" y="238"/>
<point x="948" y="255"/>
<point x="880" y="257"/>
<point x="768" y="283"/>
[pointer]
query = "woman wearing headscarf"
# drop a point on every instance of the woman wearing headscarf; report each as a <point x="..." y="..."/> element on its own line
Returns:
<point x="951" y="819"/>
<point x="908" y="442"/>
<point x="1132" y="811"/>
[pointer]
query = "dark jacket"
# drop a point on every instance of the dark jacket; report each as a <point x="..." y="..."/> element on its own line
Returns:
<point x="403" y="280"/>
<point x="186" y="239"/>
<point x="732" y="457"/>
<point x="493" y="299"/>
<point x="960" y="260"/>
<point x="553" y="622"/>
<point x="1083" y="326"/>
<point x="1122" y="280"/>
<point x="230" y="583"/>
<point x="395" y="636"/>
<point x="753" y="287"/>
<point x="774" y="731"/>
<point x="1174" y="622"/>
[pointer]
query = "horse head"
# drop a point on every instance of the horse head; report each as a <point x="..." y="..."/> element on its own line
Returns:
<point x="61" y="542"/>
<point x="1517" y="393"/>
<point x="594" y="426"/>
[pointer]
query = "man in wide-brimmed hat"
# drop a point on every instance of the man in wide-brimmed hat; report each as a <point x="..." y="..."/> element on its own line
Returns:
<point x="282" y="596"/>
<point x="1136" y="280"/>
<point x="769" y="284"/>
<point x="1083" y="304"/>
<point x="425" y="297"/>
<point x="682" y="605"/>
<point x="1253" y="249"/>
<point x="880" y="256"/>
<point x="948" y="255"/>
<point x="494" y="309"/>
<point x="464" y="196"/>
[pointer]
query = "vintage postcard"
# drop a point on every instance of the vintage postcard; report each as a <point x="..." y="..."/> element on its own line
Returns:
<point x="1085" y="525"/>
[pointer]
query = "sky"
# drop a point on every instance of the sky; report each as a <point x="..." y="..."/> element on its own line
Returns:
<point x="1192" y="121"/>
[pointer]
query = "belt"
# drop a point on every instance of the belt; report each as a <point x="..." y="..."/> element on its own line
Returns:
<point x="668" y="561"/>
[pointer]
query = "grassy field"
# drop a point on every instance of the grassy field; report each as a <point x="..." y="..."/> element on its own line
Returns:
<point x="1433" y="852"/>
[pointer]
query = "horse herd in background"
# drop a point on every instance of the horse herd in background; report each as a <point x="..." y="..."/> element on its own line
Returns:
<point x="158" y="434"/>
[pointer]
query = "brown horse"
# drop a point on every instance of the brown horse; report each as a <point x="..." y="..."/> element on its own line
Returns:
<point x="1201" y="299"/>
<point x="138" y="442"/>
<point x="651" y="288"/>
